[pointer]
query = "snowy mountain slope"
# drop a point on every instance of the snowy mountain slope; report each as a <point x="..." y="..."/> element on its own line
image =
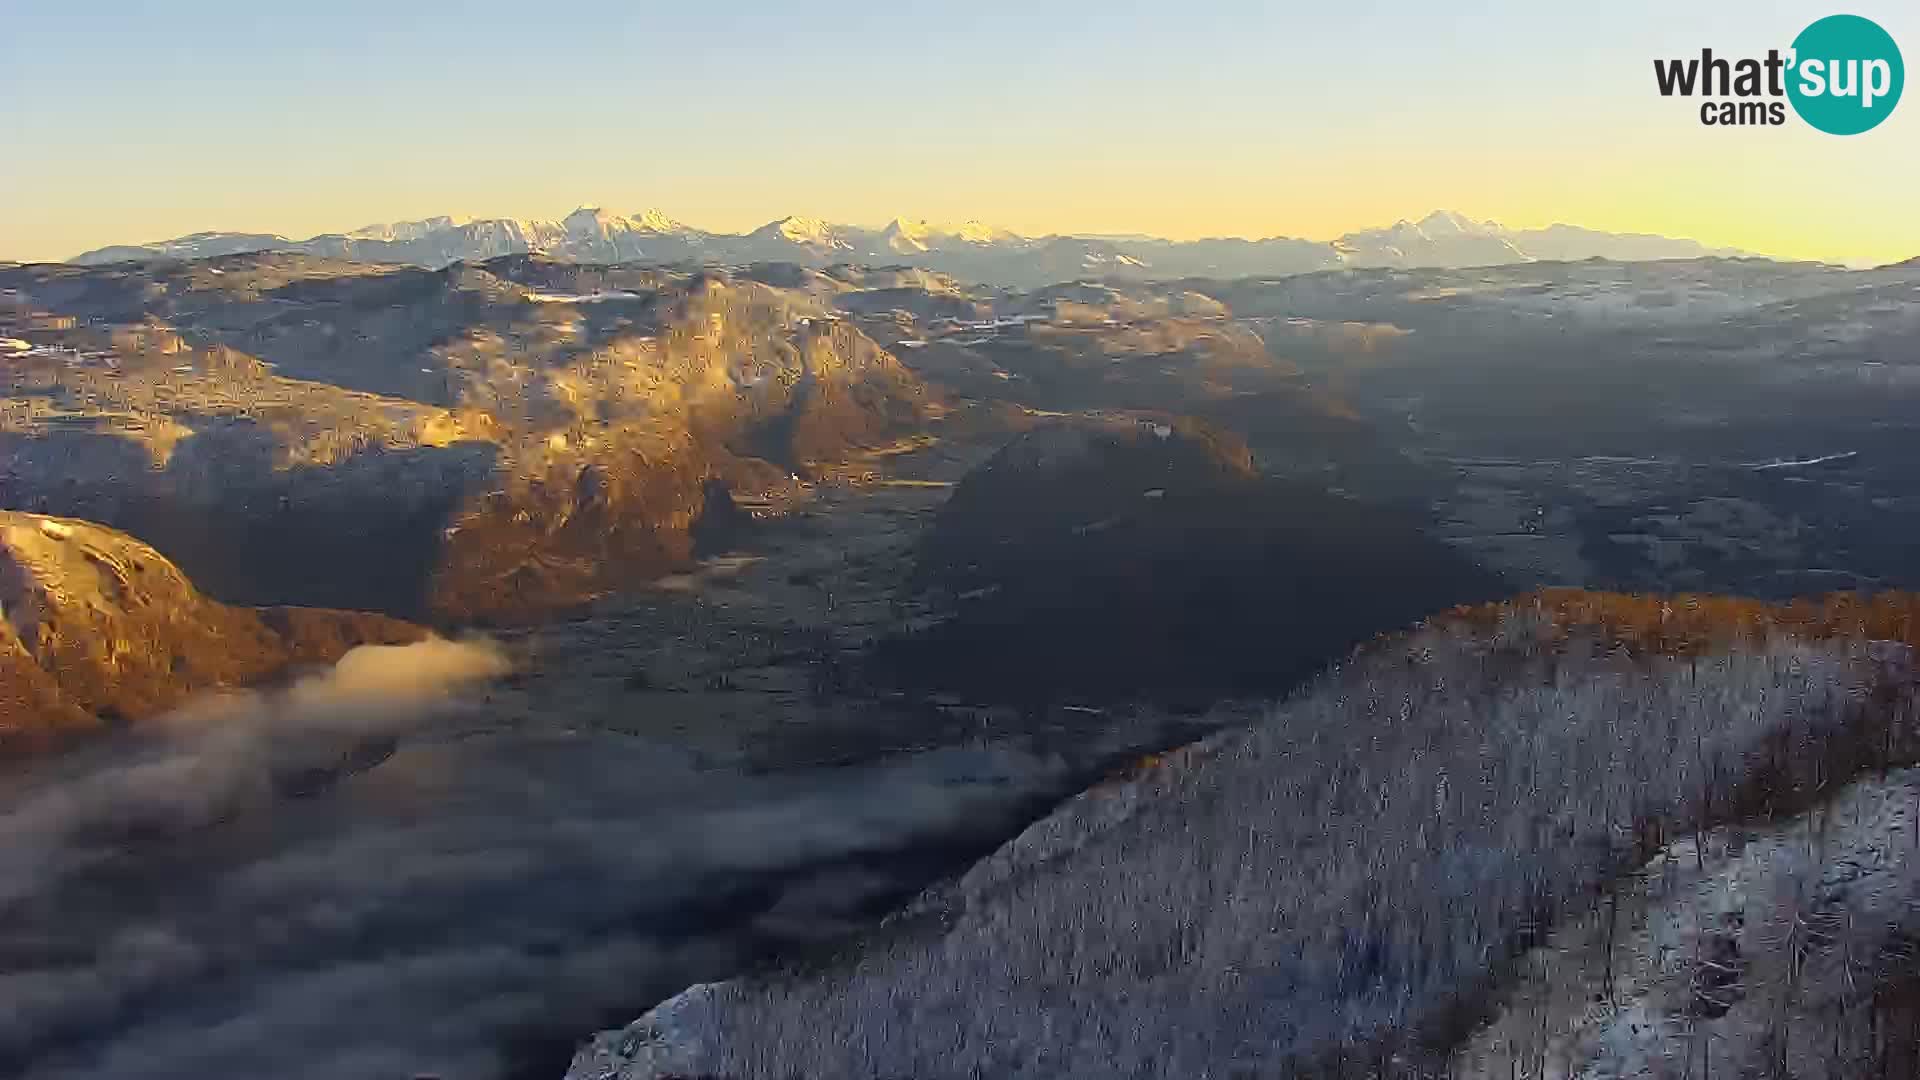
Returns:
<point x="971" y="249"/>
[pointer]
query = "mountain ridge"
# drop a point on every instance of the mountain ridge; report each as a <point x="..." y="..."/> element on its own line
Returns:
<point x="969" y="249"/>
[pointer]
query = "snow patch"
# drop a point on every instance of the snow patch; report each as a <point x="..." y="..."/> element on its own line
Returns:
<point x="1787" y="463"/>
<point x="581" y="298"/>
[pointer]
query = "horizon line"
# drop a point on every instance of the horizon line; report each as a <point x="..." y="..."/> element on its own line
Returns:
<point x="461" y="220"/>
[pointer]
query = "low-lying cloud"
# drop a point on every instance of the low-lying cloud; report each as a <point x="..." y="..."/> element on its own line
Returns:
<point x="222" y="753"/>
<point x="377" y="872"/>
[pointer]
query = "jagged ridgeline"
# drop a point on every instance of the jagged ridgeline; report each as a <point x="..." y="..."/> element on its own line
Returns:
<point x="474" y="442"/>
<point x="973" y="250"/>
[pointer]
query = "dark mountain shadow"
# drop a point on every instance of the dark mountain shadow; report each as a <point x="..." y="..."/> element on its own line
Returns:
<point x="362" y="533"/>
<point x="126" y="293"/>
<point x="1149" y="560"/>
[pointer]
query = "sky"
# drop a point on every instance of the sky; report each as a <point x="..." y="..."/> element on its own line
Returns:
<point x="131" y="122"/>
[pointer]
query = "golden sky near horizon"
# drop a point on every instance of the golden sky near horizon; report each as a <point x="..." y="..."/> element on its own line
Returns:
<point x="1242" y="120"/>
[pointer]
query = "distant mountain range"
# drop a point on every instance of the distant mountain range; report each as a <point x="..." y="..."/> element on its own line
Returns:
<point x="969" y="250"/>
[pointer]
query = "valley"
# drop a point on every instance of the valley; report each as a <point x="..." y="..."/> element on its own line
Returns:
<point x="672" y="785"/>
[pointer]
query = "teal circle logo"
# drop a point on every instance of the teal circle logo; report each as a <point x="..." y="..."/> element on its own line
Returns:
<point x="1846" y="75"/>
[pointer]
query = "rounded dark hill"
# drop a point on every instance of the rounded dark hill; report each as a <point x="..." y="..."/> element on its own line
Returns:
<point x="1132" y="558"/>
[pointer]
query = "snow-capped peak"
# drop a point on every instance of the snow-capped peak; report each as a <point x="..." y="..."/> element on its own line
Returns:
<point x="1453" y="223"/>
<point x="591" y="221"/>
<point x="907" y="235"/>
<point x="979" y="232"/>
<point x="404" y="230"/>
<point x="653" y="219"/>
<point x="807" y="230"/>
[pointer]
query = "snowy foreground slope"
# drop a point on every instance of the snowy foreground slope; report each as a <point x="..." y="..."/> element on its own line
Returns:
<point x="1352" y="888"/>
<point x="1734" y="953"/>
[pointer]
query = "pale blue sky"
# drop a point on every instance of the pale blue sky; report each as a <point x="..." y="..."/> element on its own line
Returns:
<point x="134" y="121"/>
